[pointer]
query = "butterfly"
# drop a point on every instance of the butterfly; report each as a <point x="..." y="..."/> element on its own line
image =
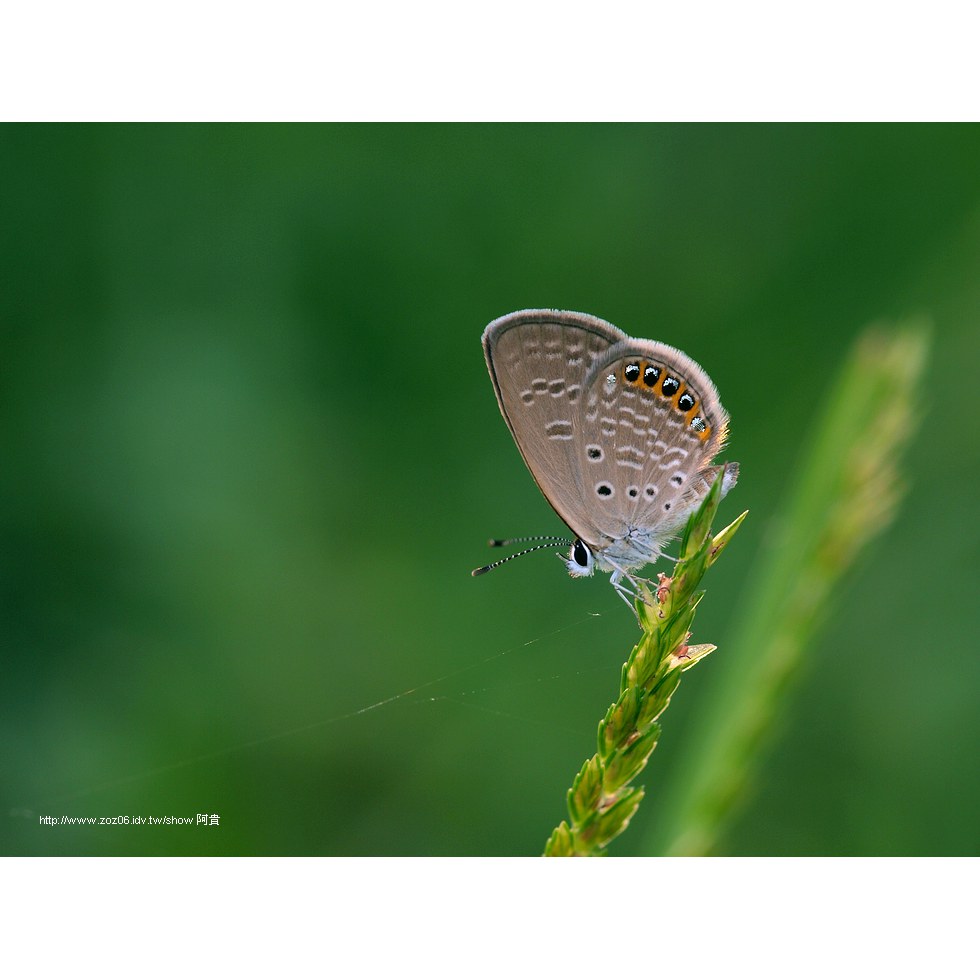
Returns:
<point x="619" y="434"/>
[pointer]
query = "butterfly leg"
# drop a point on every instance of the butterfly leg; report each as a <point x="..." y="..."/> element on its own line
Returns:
<point x="627" y="595"/>
<point x="616" y="580"/>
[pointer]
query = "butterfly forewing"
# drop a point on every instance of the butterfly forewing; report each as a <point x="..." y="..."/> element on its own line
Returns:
<point x="538" y="360"/>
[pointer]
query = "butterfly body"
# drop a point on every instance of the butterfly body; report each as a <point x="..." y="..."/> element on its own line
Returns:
<point x="618" y="433"/>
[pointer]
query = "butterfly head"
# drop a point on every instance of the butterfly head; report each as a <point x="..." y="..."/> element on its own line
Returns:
<point x="581" y="562"/>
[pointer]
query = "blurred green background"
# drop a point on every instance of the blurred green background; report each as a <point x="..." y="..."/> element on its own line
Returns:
<point x="251" y="453"/>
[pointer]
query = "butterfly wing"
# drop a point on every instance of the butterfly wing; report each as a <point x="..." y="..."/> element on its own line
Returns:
<point x="662" y="423"/>
<point x="538" y="361"/>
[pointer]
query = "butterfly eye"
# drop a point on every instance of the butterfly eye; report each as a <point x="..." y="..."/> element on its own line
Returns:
<point x="580" y="562"/>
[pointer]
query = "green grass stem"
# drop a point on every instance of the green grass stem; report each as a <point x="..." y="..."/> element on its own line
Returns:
<point x="847" y="490"/>
<point x="602" y="798"/>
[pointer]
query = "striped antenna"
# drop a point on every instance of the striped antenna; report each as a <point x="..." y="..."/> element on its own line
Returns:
<point x="506" y="542"/>
<point x="494" y="543"/>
